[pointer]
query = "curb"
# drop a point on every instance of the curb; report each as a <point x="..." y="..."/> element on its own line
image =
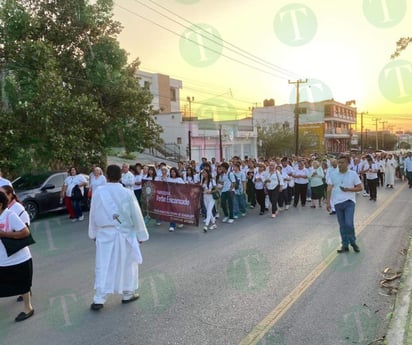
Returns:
<point x="400" y="327"/>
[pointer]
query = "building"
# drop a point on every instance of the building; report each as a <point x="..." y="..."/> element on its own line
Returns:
<point x="326" y="124"/>
<point x="209" y="136"/>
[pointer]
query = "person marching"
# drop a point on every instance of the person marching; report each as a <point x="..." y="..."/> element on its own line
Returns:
<point x="343" y="185"/>
<point x="117" y="226"/>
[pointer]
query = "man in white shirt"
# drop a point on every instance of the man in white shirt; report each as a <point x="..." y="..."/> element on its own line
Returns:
<point x="127" y="177"/>
<point x="343" y="185"/>
<point x="407" y="164"/>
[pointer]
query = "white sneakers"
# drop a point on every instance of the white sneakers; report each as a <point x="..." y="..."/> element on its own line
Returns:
<point x="171" y="229"/>
<point x="81" y="218"/>
<point x="224" y="220"/>
<point x="213" y="226"/>
<point x="230" y="221"/>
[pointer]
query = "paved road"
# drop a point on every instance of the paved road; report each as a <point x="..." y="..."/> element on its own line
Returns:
<point x="257" y="281"/>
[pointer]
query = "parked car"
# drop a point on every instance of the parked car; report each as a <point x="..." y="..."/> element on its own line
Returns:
<point x="40" y="193"/>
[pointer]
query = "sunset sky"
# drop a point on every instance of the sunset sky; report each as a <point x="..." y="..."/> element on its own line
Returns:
<point x="244" y="51"/>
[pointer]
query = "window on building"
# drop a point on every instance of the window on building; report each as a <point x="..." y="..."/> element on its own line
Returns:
<point x="173" y="94"/>
<point x="179" y="140"/>
<point x="146" y="84"/>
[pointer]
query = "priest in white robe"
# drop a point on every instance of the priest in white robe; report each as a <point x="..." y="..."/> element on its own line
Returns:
<point x="117" y="225"/>
<point x="390" y="170"/>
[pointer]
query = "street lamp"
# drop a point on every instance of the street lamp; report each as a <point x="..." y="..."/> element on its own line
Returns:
<point x="190" y="100"/>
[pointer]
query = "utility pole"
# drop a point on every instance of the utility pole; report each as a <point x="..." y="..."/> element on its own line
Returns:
<point x="297" y="82"/>
<point x="376" y="133"/>
<point x="190" y="100"/>
<point x="220" y="142"/>
<point x="383" y="134"/>
<point x="361" y="131"/>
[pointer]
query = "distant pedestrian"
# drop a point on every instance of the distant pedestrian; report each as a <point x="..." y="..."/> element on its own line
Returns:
<point x="343" y="185"/>
<point x="73" y="204"/>
<point x="407" y="165"/>
<point x="117" y="225"/>
<point x="390" y="171"/>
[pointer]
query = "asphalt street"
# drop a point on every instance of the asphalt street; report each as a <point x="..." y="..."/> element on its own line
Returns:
<point x="256" y="281"/>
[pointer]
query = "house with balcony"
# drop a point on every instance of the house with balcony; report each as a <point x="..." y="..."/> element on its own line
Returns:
<point x="326" y="124"/>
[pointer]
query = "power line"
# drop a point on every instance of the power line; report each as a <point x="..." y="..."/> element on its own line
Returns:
<point x="243" y="52"/>
<point x="197" y="43"/>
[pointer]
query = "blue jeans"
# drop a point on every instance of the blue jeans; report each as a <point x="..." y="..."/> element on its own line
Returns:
<point x="345" y="212"/>
<point x="239" y="204"/>
<point x="77" y="207"/>
<point x="226" y="199"/>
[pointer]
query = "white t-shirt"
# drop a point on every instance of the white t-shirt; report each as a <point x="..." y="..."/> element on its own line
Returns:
<point x="349" y="179"/>
<point x="21" y="212"/>
<point x="10" y="221"/>
<point x="301" y="172"/>
<point x="137" y="178"/>
<point x="128" y="180"/>
<point x="96" y="182"/>
<point x="71" y="181"/>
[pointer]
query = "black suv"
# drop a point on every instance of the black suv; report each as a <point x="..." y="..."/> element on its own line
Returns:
<point x="40" y="193"/>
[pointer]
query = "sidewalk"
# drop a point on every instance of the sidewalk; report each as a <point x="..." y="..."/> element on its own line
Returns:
<point x="400" y="327"/>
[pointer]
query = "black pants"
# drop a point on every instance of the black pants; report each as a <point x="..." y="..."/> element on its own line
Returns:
<point x="300" y="191"/>
<point x="274" y="197"/>
<point x="285" y="196"/>
<point x="381" y="175"/>
<point x="260" y="198"/>
<point x="365" y="183"/>
<point x="373" y="184"/>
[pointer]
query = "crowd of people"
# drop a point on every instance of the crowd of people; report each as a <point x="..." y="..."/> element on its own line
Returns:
<point x="229" y="190"/>
<point x="272" y="185"/>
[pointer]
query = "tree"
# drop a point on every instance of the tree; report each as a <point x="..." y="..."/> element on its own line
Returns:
<point x="404" y="145"/>
<point x="401" y="45"/>
<point x="276" y="140"/>
<point x="67" y="91"/>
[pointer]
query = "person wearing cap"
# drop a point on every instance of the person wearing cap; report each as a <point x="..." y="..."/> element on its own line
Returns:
<point x="4" y="181"/>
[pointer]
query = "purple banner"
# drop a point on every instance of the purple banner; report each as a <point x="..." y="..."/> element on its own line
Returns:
<point x="171" y="202"/>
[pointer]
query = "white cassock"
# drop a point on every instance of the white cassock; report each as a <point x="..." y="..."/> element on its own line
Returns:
<point x="117" y="224"/>
<point x="390" y="168"/>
